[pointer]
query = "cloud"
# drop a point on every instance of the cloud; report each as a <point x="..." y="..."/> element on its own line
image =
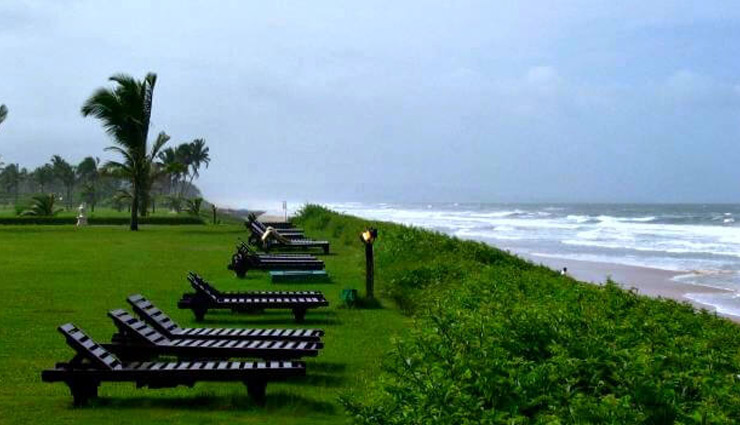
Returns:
<point x="475" y="100"/>
<point x="688" y="88"/>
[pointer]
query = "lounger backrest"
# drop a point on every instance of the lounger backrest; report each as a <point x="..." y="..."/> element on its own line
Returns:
<point x="253" y="226"/>
<point x="86" y="347"/>
<point x="151" y="314"/>
<point x="135" y="327"/>
<point x="242" y="246"/>
<point x="246" y="248"/>
<point x="200" y="285"/>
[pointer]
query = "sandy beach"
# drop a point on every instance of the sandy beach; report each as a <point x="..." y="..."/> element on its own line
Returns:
<point x="648" y="281"/>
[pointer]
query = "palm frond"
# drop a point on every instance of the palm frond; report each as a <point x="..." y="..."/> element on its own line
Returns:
<point x="3" y="113"/>
<point x="162" y="139"/>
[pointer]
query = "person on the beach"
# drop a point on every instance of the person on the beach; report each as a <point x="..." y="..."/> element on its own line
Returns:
<point x="564" y="271"/>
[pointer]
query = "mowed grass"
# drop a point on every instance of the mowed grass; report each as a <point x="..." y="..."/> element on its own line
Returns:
<point x="57" y="274"/>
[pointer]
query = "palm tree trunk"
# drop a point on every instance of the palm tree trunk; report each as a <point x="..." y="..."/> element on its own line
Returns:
<point x="135" y="209"/>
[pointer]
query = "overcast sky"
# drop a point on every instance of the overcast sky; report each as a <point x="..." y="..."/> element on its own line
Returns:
<point x="421" y="101"/>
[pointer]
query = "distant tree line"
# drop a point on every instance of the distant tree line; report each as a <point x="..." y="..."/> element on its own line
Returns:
<point x="173" y="173"/>
<point x="142" y="178"/>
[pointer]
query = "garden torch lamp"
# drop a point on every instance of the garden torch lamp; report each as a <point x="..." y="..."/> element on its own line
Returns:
<point x="368" y="238"/>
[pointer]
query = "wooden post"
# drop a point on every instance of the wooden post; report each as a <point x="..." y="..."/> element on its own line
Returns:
<point x="369" y="271"/>
<point x="213" y="207"/>
<point x="368" y="238"/>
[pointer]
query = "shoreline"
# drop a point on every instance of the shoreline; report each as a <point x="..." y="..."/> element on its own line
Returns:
<point x="648" y="281"/>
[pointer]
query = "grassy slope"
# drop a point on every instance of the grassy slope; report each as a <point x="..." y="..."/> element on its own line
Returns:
<point x="56" y="274"/>
<point x="500" y="340"/>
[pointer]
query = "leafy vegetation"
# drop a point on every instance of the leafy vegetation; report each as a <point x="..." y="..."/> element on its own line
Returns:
<point x="499" y="340"/>
<point x="194" y="206"/>
<point x="42" y="206"/>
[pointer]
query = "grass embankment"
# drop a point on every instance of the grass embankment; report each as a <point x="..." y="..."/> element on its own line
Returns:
<point x="500" y="340"/>
<point x="57" y="274"/>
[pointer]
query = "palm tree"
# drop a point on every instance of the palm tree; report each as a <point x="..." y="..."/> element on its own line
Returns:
<point x="3" y="113"/>
<point x="193" y="206"/>
<point x="152" y="172"/>
<point x="66" y="174"/>
<point x="43" y="176"/>
<point x="11" y="180"/>
<point x="198" y="155"/>
<point x="88" y="172"/>
<point x="172" y="164"/>
<point x="125" y="112"/>
<point x="42" y="206"/>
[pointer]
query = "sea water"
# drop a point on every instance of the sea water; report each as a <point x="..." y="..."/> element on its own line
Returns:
<point x="701" y="243"/>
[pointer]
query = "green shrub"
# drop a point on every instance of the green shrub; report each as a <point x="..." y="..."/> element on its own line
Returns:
<point x="499" y="340"/>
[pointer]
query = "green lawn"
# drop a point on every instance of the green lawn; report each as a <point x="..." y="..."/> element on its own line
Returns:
<point x="57" y="274"/>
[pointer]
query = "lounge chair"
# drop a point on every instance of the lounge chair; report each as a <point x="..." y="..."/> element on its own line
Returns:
<point x="245" y="248"/>
<point x="206" y="297"/>
<point x="244" y="260"/>
<point x="93" y="364"/>
<point x="280" y="225"/>
<point x="157" y="319"/>
<point x="270" y="238"/>
<point x="256" y="228"/>
<point x="137" y="340"/>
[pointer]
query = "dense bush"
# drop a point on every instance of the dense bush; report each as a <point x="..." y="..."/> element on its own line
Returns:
<point x="499" y="340"/>
<point x="175" y="220"/>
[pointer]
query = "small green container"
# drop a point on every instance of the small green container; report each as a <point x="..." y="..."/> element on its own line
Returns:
<point x="349" y="296"/>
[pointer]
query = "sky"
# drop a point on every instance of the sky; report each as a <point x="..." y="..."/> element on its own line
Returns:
<point x="387" y="101"/>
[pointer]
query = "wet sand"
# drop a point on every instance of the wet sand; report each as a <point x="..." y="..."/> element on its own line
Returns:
<point x="647" y="281"/>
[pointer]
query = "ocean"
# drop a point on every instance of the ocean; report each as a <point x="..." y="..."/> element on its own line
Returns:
<point x="699" y="243"/>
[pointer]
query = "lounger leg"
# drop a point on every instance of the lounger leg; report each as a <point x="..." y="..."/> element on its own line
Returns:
<point x="326" y="249"/>
<point x="200" y="313"/>
<point x="82" y="390"/>
<point x="299" y="314"/>
<point x="256" y="389"/>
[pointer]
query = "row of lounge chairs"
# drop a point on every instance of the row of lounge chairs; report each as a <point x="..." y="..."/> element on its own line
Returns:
<point x="203" y="354"/>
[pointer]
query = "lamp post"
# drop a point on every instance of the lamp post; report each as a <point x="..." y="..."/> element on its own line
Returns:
<point x="368" y="238"/>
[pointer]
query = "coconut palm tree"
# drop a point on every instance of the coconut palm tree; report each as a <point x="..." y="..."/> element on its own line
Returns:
<point x="10" y="178"/>
<point x="3" y="113"/>
<point x="88" y="173"/>
<point x="42" y="206"/>
<point x="125" y="112"/>
<point x="43" y="176"/>
<point x="65" y="173"/>
<point x="198" y="155"/>
<point x="152" y="172"/>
